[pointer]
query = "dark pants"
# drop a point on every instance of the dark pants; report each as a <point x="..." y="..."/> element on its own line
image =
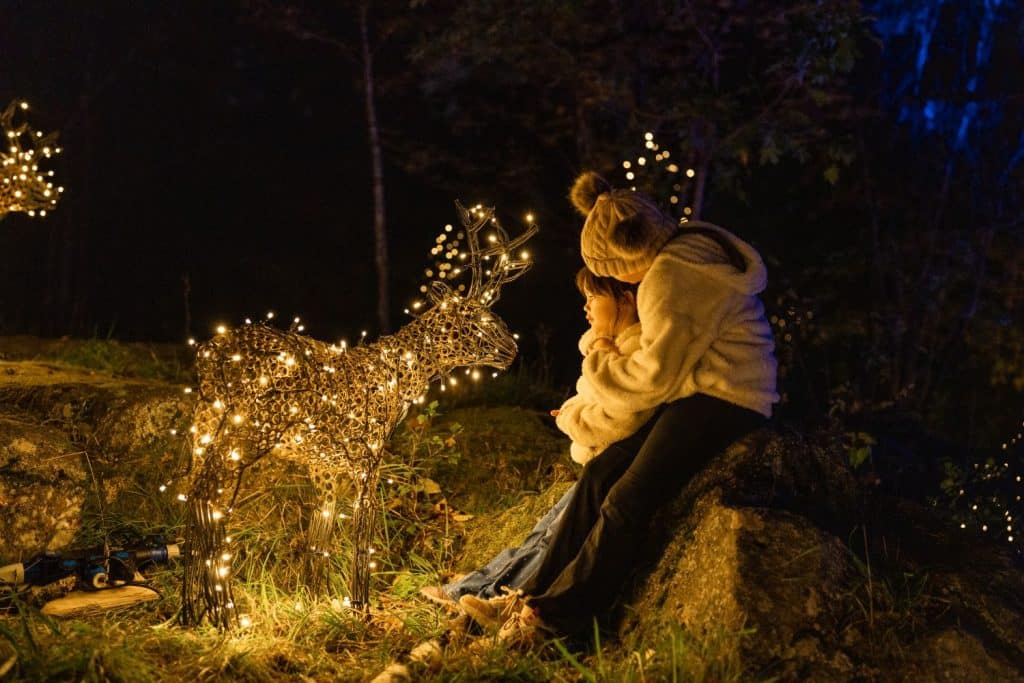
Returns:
<point x="594" y="547"/>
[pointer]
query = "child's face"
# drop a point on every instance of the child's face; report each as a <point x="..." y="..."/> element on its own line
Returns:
<point x="609" y="315"/>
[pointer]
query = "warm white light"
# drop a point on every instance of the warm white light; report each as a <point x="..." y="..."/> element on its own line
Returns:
<point x="321" y="396"/>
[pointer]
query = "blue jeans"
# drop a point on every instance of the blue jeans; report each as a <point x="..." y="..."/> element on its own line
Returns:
<point x="512" y="566"/>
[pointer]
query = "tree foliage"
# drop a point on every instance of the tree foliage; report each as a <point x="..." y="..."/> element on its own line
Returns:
<point x="727" y="84"/>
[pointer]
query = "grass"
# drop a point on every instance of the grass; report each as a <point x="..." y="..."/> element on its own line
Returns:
<point x="468" y="477"/>
<point x="475" y="458"/>
<point x="891" y="605"/>
<point x="168" y="362"/>
<point x="124" y="359"/>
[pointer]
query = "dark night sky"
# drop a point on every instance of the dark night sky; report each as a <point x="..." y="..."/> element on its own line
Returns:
<point x="198" y="143"/>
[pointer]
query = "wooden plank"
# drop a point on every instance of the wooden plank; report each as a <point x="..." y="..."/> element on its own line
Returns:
<point x="77" y="603"/>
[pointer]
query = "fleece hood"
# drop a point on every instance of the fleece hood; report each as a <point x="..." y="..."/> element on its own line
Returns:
<point x="703" y="253"/>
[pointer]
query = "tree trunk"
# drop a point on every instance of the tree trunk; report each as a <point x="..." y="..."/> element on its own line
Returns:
<point x="379" y="224"/>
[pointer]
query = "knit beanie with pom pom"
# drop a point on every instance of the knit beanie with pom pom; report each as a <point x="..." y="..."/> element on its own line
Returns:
<point x="624" y="229"/>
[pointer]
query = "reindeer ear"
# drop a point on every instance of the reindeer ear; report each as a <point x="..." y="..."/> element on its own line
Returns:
<point x="438" y="291"/>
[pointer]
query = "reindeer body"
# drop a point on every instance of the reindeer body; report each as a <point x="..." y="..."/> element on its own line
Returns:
<point x="265" y="391"/>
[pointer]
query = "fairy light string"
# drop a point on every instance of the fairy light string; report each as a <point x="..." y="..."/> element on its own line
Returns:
<point x="264" y="391"/>
<point x="657" y="172"/>
<point x="24" y="186"/>
<point x="989" y="499"/>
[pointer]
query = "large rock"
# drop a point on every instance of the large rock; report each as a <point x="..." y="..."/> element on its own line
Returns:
<point x="119" y="431"/>
<point x="953" y="654"/>
<point x="43" y="487"/>
<point x="115" y="413"/>
<point x="771" y="543"/>
<point x="776" y="555"/>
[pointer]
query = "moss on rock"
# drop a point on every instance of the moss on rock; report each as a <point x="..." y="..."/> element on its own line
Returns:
<point x="43" y="485"/>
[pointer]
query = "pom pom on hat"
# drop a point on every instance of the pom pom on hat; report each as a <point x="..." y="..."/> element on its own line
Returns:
<point x="623" y="232"/>
<point x="585" y="191"/>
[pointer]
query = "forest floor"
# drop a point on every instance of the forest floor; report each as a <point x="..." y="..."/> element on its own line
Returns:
<point x="471" y="474"/>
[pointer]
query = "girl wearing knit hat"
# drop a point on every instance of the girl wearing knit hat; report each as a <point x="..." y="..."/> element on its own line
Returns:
<point x="705" y="364"/>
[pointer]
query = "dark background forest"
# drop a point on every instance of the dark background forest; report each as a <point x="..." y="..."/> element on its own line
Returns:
<point x="219" y="162"/>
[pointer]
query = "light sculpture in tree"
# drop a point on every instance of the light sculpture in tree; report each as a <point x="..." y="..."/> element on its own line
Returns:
<point x="23" y="186"/>
<point x="265" y="392"/>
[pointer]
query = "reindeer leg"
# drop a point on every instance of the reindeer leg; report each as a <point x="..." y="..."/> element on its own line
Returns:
<point x="206" y="586"/>
<point x="364" y="523"/>
<point x="319" y="537"/>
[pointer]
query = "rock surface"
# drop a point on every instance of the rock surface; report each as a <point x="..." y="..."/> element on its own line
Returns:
<point x="76" y="443"/>
<point x="43" y="484"/>
<point x="774" y="550"/>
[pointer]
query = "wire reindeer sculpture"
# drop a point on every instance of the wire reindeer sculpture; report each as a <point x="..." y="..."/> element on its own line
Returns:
<point x="265" y="392"/>
<point x="23" y="186"/>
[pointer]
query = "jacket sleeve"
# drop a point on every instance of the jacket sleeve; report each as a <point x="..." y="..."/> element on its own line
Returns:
<point x="581" y="454"/>
<point x="680" y="314"/>
<point x="588" y="424"/>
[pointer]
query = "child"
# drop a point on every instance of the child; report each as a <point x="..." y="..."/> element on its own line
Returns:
<point x="611" y="312"/>
<point x="706" y="356"/>
<point x="610" y="306"/>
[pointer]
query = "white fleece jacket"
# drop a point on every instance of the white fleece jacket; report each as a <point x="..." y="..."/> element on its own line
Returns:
<point x="590" y="425"/>
<point x="703" y="331"/>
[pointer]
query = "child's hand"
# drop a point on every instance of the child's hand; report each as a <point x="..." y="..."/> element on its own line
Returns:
<point x="555" y="412"/>
<point x="603" y="343"/>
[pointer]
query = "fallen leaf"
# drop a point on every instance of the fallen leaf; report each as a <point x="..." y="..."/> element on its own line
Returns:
<point x="430" y="487"/>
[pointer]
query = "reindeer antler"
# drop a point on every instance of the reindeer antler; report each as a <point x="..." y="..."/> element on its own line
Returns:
<point x="488" y="278"/>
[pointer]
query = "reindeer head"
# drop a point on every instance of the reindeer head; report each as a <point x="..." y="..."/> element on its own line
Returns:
<point x="466" y="331"/>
